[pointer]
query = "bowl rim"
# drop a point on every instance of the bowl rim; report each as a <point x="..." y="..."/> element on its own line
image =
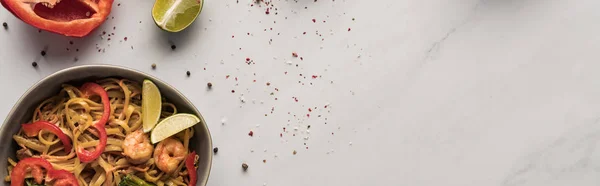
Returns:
<point x="146" y="75"/>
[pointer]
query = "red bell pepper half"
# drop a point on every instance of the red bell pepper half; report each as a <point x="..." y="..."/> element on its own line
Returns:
<point x="89" y="89"/>
<point x="34" y="128"/>
<point x="60" y="177"/>
<point x="67" y="17"/>
<point x="190" y="162"/>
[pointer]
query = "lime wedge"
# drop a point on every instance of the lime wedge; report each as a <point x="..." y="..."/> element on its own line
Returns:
<point x="151" y="105"/>
<point x="176" y="15"/>
<point x="172" y="125"/>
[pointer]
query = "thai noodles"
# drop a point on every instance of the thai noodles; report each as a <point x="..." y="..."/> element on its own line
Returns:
<point x="78" y="115"/>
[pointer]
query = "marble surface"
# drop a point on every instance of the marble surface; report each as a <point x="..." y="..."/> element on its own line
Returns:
<point x="419" y="92"/>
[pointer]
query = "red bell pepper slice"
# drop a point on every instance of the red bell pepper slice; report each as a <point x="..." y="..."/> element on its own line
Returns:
<point x="190" y="162"/>
<point x="34" y="128"/>
<point x="62" y="178"/>
<point x="17" y="176"/>
<point x="68" y="17"/>
<point x="88" y="89"/>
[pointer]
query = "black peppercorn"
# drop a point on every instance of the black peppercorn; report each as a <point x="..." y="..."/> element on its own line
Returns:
<point x="34" y="64"/>
<point x="188" y="73"/>
<point x="216" y="149"/>
<point x="5" y="25"/>
<point x="209" y="84"/>
<point x="43" y="53"/>
<point x="245" y="166"/>
<point x="173" y="47"/>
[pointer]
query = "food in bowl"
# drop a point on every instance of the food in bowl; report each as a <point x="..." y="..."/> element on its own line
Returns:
<point x="94" y="135"/>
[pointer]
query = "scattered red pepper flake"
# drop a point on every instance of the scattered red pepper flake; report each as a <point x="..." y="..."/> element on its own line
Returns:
<point x="310" y="110"/>
<point x="247" y="59"/>
<point x="294" y="54"/>
<point x="227" y="77"/>
<point x="315" y="76"/>
<point x="314" y="20"/>
<point x="251" y="134"/>
<point x="232" y="91"/>
<point x="349" y="29"/>
<point x="268" y="84"/>
<point x="307" y="115"/>
<point x="280" y="135"/>
<point x="125" y="38"/>
<point x="232" y="36"/>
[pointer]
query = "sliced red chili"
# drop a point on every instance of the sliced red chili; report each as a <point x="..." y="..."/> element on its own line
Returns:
<point x="89" y="89"/>
<point x="190" y="162"/>
<point x="68" y="17"/>
<point x="34" y="128"/>
<point x="17" y="176"/>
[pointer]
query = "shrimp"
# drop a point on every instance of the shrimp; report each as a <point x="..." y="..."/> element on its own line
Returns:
<point x="137" y="147"/>
<point x="168" y="154"/>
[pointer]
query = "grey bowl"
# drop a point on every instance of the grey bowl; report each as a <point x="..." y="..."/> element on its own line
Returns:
<point x="49" y="86"/>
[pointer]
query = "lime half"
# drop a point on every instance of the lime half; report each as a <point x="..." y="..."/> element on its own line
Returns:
<point x="172" y="125"/>
<point x="176" y="15"/>
<point x="151" y="105"/>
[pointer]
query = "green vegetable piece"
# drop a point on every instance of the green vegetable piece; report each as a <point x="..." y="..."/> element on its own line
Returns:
<point x="132" y="180"/>
<point x="30" y="182"/>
